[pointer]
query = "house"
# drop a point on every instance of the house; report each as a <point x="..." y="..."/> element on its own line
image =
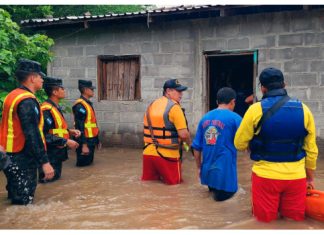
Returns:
<point x="130" y="55"/>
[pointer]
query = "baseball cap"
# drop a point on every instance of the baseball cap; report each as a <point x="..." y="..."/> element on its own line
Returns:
<point x="52" y="82"/>
<point x="270" y="75"/>
<point x="174" y="84"/>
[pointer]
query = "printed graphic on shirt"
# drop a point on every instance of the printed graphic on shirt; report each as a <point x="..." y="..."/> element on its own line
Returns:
<point x="36" y="111"/>
<point x="49" y="121"/>
<point x="83" y="111"/>
<point x="211" y="135"/>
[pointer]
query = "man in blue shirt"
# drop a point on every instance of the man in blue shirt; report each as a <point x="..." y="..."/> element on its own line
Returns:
<point x="214" y="148"/>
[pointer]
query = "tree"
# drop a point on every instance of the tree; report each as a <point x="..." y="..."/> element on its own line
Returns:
<point x="22" y="12"/>
<point x="15" y="45"/>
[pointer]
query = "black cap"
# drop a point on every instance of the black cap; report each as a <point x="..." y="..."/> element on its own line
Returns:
<point x="29" y="66"/>
<point x="271" y="75"/>
<point x="86" y="83"/>
<point x="52" y="82"/>
<point x="175" y="84"/>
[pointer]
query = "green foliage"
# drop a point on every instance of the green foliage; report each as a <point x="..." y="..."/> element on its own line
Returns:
<point x="76" y="10"/>
<point x="23" y="12"/>
<point x="15" y="45"/>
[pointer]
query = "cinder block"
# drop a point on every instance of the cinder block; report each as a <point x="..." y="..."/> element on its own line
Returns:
<point x="75" y="51"/>
<point x="296" y="66"/>
<point x="317" y="66"/>
<point x="291" y="40"/>
<point x="263" y="41"/>
<point x="280" y="54"/>
<point x="238" y="43"/>
<point x="214" y="44"/>
<point x="306" y="52"/>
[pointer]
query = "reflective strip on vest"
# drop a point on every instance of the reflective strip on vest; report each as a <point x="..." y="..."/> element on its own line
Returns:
<point x="164" y="131"/>
<point x="90" y="126"/>
<point x="60" y="129"/>
<point x="12" y="134"/>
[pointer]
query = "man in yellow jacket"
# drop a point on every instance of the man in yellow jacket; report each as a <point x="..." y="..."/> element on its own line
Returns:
<point x="165" y="127"/>
<point x="280" y="133"/>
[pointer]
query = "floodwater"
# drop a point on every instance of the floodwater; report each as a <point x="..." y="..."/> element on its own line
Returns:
<point x="110" y="195"/>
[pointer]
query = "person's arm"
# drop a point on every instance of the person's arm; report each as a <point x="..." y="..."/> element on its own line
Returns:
<point x="310" y="146"/>
<point x="80" y="114"/>
<point x="245" y="131"/>
<point x="197" y="144"/>
<point x="29" y="115"/>
<point x="4" y="159"/>
<point x="177" y="117"/>
<point x="49" y="123"/>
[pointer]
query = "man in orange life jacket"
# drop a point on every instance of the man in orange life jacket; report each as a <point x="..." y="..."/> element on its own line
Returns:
<point x="21" y="133"/>
<point x="165" y="127"/>
<point x="280" y="133"/>
<point x="85" y="121"/>
<point x="56" y="130"/>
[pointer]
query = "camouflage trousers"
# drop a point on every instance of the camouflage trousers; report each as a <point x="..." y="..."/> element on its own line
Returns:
<point x="21" y="184"/>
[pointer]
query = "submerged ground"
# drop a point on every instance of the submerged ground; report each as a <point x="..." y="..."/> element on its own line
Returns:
<point x="110" y="195"/>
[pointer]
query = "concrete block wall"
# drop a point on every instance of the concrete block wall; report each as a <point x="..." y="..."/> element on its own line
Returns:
<point x="291" y="41"/>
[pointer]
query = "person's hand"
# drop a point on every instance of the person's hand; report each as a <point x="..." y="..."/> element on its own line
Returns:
<point x="48" y="171"/>
<point x="310" y="184"/>
<point x="85" y="150"/>
<point x="1" y="149"/>
<point x="72" y="144"/>
<point x="99" y="146"/>
<point x="75" y="133"/>
<point x="198" y="174"/>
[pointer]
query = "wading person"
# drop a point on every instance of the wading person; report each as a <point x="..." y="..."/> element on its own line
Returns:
<point x="56" y="130"/>
<point x="85" y="121"/>
<point x="280" y="133"/>
<point x="215" y="141"/>
<point x="165" y="127"/>
<point x="21" y="133"/>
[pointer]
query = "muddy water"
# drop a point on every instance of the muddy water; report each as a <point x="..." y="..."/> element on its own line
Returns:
<point x="110" y="195"/>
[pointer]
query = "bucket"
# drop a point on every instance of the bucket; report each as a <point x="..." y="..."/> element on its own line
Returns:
<point x="315" y="204"/>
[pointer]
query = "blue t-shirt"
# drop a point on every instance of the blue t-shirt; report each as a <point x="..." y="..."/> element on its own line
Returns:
<point x="215" y="139"/>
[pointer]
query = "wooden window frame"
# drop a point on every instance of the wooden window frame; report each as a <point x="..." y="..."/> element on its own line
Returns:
<point x="102" y="76"/>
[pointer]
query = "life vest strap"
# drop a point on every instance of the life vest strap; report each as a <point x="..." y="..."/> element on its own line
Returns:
<point x="163" y="136"/>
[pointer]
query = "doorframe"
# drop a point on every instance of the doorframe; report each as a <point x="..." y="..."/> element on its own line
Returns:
<point x="210" y="54"/>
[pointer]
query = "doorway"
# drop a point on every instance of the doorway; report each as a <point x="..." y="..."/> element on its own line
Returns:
<point x="231" y="69"/>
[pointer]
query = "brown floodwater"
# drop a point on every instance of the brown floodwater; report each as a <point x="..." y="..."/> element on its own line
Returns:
<point x="110" y="195"/>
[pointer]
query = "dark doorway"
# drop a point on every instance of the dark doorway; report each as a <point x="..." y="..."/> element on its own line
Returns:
<point x="235" y="70"/>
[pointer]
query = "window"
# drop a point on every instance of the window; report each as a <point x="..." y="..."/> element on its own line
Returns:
<point x="118" y="77"/>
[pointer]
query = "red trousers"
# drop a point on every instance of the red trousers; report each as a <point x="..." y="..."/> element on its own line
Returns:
<point x="158" y="168"/>
<point x="270" y="197"/>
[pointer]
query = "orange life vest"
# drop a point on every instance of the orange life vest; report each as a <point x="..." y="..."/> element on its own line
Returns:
<point x="12" y="137"/>
<point x="90" y="125"/>
<point x="61" y="127"/>
<point x="164" y="132"/>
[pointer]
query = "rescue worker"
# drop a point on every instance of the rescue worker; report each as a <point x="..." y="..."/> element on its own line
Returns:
<point x="280" y="133"/>
<point x="56" y="130"/>
<point x="85" y="121"/>
<point x="165" y="127"/>
<point x="21" y="133"/>
<point x="214" y="148"/>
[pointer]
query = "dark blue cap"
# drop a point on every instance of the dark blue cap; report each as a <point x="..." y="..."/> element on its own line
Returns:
<point x="29" y="66"/>
<point x="86" y="83"/>
<point x="271" y="75"/>
<point x="52" y="82"/>
<point x="174" y="84"/>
